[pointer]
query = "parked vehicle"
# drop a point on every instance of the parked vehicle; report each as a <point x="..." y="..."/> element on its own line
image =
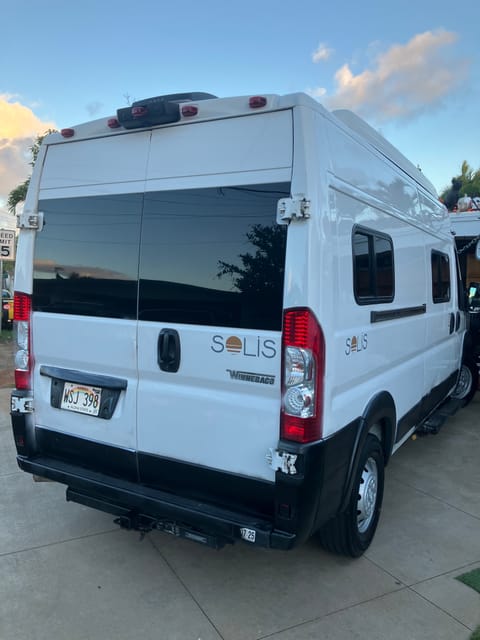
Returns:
<point x="230" y="313"/>
<point x="465" y="222"/>
<point x="7" y="309"/>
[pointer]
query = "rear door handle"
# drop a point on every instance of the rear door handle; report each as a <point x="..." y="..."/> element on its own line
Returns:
<point x="168" y="350"/>
<point x="452" y="322"/>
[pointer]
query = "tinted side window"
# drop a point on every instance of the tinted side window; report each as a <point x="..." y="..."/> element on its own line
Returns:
<point x="213" y="257"/>
<point x="440" y="277"/>
<point x="86" y="256"/>
<point x="373" y="271"/>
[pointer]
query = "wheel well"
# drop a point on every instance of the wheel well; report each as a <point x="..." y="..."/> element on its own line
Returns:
<point x="379" y="419"/>
<point x="382" y="430"/>
<point x="377" y="431"/>
<point x="380" y="416"/>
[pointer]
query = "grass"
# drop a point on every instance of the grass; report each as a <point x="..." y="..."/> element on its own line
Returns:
<point x="476" y="634"/>
<point x="472" y="579"/>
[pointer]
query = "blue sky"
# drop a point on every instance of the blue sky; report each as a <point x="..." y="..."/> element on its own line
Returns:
<point x="411" y="69"/>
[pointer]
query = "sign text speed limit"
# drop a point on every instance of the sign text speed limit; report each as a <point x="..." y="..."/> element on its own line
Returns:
<point x="7" y="244"/>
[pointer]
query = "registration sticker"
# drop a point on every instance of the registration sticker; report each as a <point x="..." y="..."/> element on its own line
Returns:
<point x="81" y="398"/>
<point x="248" y="534"/>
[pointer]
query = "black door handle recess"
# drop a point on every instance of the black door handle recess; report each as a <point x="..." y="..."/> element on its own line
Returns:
<point x="168" y="350"/>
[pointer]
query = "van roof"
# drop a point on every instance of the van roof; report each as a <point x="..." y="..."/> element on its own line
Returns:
<point x="197" y="107"/>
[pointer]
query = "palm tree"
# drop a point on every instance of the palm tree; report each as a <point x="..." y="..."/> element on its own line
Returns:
<point x="19" y="193"/>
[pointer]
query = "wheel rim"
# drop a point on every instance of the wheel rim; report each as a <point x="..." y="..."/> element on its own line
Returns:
<point x="367" y="495"/>
<point x="464" y="384"/>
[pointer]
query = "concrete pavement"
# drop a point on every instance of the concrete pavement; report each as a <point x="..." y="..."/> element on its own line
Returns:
<point x="68" y="573"/>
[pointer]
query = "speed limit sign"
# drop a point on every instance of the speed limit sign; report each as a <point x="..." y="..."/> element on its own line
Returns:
<point x="7" y="244"/>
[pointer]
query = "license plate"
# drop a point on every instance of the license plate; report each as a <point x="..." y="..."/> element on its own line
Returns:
<point x="81" y="398"/>
<point x="248" y="534"/>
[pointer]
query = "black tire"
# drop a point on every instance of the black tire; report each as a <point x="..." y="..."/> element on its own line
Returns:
<point x="351" y="532"/>
<point x="467" y="384"/>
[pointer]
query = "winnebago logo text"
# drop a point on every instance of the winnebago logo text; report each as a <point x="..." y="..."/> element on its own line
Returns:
<point x="248" y="376"/>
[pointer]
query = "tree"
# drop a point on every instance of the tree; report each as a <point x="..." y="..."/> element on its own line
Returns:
<point x="467" y="183"/>
<point x="19" y="193"/>
<point x="258" y="274"/>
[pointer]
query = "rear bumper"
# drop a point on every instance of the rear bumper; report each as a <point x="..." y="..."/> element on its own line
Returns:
<point x="121" y="498"/>
<point x="136" y="485"/>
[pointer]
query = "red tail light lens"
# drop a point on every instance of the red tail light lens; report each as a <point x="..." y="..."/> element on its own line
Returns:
<point x="22" y="307"/>
<point x="303" y="371"/>
<point x="22" y="311"/>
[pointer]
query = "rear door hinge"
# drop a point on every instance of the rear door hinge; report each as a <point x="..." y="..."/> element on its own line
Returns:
<point x="296" y="208"/>
<point x="21" y="404"/>
<point x="28" y="220"/>
<point x="282" y="461"/>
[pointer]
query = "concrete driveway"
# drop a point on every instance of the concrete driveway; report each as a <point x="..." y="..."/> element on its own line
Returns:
<point x="67" y="572"/>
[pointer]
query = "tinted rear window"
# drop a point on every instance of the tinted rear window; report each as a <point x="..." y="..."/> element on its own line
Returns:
<point x="206" y="256"/>
<point x="86" y="256"/>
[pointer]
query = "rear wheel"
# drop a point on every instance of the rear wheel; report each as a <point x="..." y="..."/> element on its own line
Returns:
<point x="351" y="532"/>
<point x="467" y="384"/>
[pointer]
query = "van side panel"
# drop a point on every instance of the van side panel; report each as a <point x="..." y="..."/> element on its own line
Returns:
<point x="370" y="355"/>
<point x="382" y="344"/>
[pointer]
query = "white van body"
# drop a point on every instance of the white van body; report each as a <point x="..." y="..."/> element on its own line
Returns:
<point x="255" y="302"/>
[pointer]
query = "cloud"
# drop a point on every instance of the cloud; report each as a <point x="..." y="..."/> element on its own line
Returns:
<point x="318" y="92"/>
<point x="17" y="120"/>
<point x="19" y="127"/>
<point x="321" y="53"/>
<point x="404" y="81"/>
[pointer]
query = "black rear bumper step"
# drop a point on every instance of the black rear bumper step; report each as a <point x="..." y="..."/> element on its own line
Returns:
<point x="131" y="520"/>
<point x="128" y="499"/>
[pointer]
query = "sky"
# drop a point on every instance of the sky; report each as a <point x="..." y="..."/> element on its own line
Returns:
<point x="410" y="68"/>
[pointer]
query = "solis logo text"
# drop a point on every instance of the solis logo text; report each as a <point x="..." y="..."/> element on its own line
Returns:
<point x="251" y="346"/>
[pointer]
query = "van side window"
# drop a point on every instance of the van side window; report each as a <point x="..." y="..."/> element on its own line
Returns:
<point x="440" y="277"/>
<point x="373" y="274"/>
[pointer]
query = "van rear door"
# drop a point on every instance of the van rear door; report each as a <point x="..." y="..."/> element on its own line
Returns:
<point x="212" y="264"/>
<point x="85" y="285"/>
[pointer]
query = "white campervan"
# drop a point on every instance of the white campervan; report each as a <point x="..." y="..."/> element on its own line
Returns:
<point x="230" y="313"/>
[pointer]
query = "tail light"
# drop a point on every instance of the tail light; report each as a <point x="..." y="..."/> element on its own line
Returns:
<point x="22" y="312"/>
<point x="303" y="371"/>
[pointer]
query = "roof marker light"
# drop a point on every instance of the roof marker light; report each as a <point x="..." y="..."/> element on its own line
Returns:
<point x="113" y="123"/>
<point x="256" y="102"/>
<point x="68" y="133"/>
<point x="189" y="110"/>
